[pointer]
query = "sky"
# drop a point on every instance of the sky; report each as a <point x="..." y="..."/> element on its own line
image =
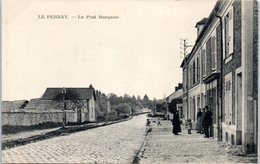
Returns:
<point x="137" y="54"/>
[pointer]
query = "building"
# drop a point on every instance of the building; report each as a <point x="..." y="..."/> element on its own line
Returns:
<point x="81" y="100"/>
<point x="221" y="72"/>
<point x="174" y="102"/>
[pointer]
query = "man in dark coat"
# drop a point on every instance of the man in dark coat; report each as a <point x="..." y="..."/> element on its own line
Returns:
<point x="206" y="122"/>
<point x="176" y="123"/>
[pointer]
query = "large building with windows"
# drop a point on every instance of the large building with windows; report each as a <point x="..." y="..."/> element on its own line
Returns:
<point x="221" y="72"/>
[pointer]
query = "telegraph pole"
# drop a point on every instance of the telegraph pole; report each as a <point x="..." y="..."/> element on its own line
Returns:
<point x="184" y="46"/>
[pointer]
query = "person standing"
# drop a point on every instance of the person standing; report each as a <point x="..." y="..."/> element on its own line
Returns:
<point x="199" y="121"/>
<point x="189" y="126"/>
<point x="176" y="123"/>
<point x="159" y="122"/>
<point x="207" y="121"/>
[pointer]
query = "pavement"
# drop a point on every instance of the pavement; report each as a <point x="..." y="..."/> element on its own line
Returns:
<point x="116" y="143"/>
<point x="161" y="146"/>
<point x="126" y="142"/>
<point x="22" y="138"/>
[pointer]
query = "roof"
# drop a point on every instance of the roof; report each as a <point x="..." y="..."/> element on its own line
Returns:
<point x="177" y="94"/>
<point x="208" y="21"/>
<point x="82" y="93"/>
<point x="11" y="105"/>
<point x="184" y="60"/>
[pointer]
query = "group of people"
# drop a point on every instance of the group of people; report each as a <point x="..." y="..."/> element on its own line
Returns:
<point x="204" y="120"/>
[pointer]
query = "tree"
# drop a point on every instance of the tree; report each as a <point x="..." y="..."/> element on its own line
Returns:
<point x="172" y="105"/>
<point x="145" y="98"/>
<point x="67" y="95"/>
<point x="146" y="101"/>
<point x="133" y="98"/>
<point x="138" y="98"/>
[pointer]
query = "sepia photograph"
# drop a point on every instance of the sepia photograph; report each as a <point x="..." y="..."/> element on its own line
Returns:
<point x="129" y="81"/>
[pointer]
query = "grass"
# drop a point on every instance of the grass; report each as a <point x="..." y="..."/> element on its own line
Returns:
<point x="8" y="129"/>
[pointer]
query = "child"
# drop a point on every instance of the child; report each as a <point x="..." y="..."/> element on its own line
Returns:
<point x="159" y="122"/>
<point x="148" y="124"/>
<point x="189" y="126"/>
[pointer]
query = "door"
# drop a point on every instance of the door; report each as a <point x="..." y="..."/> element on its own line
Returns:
<point x="78" y="115"/>
<point x="239" y="109"/>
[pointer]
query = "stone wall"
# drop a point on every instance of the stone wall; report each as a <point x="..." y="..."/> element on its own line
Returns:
<point x="23" y="118"/>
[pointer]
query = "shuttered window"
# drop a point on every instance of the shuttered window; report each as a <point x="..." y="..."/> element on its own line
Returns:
<point x="203" y="57"/>
<point x="198" y="69"/>
<point x="228" y="98"/>
<point x="229" y="30"/>
<point x="213" y="52"/>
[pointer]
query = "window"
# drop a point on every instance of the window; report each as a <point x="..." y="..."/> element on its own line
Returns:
<point x="194" y="108"/>
<point x="203" y="57"/>
<point x="194" y="72"/>
<point x="229" y="33"/>
<point x="184" y="79"/>
<point x="208" y="53"/>
<point x="213" y="51"/>
<point x="198" y="69"/>
<point x="191" y="76"/>
<point x="228" y="98"/>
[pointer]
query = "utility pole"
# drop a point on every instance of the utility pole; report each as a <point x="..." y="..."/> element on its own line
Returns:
<point x="184" y="46"/>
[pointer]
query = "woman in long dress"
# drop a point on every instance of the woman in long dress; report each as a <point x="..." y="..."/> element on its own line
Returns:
<point x="176" y="123"/>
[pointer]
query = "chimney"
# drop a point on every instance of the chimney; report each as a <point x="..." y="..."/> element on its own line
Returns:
<point x="200" y="25"/>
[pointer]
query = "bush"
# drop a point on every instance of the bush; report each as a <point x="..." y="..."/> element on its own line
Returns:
<point x="101" y="118"/>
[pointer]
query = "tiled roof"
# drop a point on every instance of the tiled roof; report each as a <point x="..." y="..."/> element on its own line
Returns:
<point x="175" y="95"/>
<point x="82" y="93"/>
<point x="11" y="105"/>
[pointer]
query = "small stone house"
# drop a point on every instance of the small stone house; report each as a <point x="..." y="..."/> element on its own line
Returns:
<point x="80" y="100"/>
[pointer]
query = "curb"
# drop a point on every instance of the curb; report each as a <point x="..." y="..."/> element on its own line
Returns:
<point x="60" y="132"/>
<point x="140" y="152"/>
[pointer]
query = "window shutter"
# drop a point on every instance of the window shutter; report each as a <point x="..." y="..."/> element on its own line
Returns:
<point x="227" y="36"/>
<point x="228" y="100"/>
<point x="198" y="68"/>
<point x="230" y="30"/>
<point x="194" y="72"/>
<point x="213" y="52"/>
<point x="203" y="62"/>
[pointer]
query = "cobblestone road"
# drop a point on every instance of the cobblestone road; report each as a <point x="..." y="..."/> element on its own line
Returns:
<point x="115" y="143"/>
<point x="164" y="147"/>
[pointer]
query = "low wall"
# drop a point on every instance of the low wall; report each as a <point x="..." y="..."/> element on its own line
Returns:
<point x="24" y="118"/>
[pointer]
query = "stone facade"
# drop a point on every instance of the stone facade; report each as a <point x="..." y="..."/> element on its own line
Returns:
<point x="228" y="73"/>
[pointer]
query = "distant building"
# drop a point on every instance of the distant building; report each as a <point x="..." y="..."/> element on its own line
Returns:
<point x="175" y="101"/>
